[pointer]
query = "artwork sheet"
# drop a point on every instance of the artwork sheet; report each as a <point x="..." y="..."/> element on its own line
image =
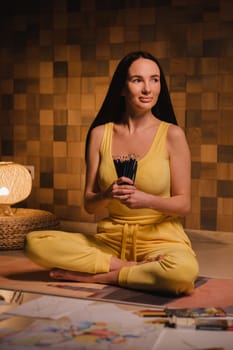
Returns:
<point x="96" y="326"/>
<point x="186" y="339"/>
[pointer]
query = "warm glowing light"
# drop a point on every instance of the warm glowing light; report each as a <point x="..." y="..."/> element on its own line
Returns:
<point x="15" y="185"/>
<point x="4" y="191"/>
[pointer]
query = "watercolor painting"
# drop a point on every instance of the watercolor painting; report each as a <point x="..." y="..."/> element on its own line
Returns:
<point x="83" y="334"/>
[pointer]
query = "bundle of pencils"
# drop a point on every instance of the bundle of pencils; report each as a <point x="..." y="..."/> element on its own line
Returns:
<point x="126" y="166"/>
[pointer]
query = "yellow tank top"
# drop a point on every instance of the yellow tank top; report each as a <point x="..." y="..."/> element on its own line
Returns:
<point x="153" y="176"/>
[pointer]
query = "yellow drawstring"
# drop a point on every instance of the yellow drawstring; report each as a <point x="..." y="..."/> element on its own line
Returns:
<point x="124" y="239"/>
<point x="133" y="228"/>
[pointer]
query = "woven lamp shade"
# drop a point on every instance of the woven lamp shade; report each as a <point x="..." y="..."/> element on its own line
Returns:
<point x="15" y="186"/>
<point x="15" y="183"/>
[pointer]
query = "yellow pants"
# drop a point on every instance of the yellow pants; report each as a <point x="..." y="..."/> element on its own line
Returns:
<point x="175" y="273"/>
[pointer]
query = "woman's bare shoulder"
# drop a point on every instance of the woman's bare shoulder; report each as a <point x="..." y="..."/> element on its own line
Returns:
<point x="97" y="132"/>
<point x="174" y="132"/>
<point x="96" y="136"/>
<point x="176" y="139"/>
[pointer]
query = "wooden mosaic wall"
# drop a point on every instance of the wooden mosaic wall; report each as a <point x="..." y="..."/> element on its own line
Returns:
<point x="57" y="58"/>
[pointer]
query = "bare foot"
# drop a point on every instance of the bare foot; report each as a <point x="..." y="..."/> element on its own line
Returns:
<point x="117" y="264"/>
<point x="110" y="277"/>
<point x="106" y="278"/>
<point x="156" y="258"/>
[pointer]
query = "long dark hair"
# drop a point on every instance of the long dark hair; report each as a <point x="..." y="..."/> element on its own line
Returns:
<point x="113" y="105"/>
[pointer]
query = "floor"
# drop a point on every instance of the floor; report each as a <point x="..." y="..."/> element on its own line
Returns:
<point x="215" y="255"/>
<point x="214" y="252"/>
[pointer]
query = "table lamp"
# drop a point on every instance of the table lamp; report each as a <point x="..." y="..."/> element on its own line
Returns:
<point x="15" y="185"/>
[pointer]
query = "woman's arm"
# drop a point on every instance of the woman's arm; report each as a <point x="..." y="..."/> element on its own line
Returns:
<point x="94" y="200"/>
<point x="180" y="170"/>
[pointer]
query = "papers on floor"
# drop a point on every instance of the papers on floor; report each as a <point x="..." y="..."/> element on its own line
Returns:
<point x="184" y="339"/>
<point x="80" y="324"/>
<point x="49" y="307"/>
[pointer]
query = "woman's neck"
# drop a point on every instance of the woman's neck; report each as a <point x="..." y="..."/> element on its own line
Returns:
<point x="140" y="121"/>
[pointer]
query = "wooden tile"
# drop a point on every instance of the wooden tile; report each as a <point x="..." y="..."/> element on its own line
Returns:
<point x="226" y="100"/>
<point x="73" y="133"/>
<point x="33" y="148"/>
<point x="46" y="180"/>
<point x="209" y="100"/>
<point x="46" y="133"/>
<point x="208" y="213"/>
<point x="46" y="196"/>
<point x="193" y="118"/>
<point x="210" y="83"/>
<point x="209" y="132"/>
<point x="60" y="181"/>
<point x="20" y="101"/>
<point x="72" y="148"/>
<point x="193" y="101"/>
<point x="178" y="83"/>
<point x="59" y="149"/>
<point x="74" y="85"/>
<point x="194" y="84"/>
<point x="60" y="117"/>
<point x="192" y="221"/>
<point x="208" y="188"/>
<point x="46" y="101"/>
<point x="225" y="171"/>
<point x="225" y="153"/>
<point x="60" y="101"/>
<point x="60" y="196"/>
<point x="73" y="117"/>
<point x="224" y="223"/>
<point x="46" y="69"/>
<point x="195" y="187"/>
<point x="116" y="35"/>
<point x="195" y="170"/>
<point x="179" y="99"/>
<point x="59" y="133"/>
<point x="208" y="221"/>
<point x="208" y="171"/>
<point x="74" y="101"/>
<point x="226" y="83"/>
<point x="225" y="206"/>
<point x="209" y="65"/>
<point x="46" y="149"/>
<point x="46" y="86"/>
<point x="225" y="188"/>
<point x="88" y="101"/>
<point x="46" y="164"/>
<point x="74" y="182"/>
<point x="208" y="153"/>
<point x="74" y="198"/>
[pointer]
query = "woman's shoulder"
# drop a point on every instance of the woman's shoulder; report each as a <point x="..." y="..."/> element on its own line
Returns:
<point x="174" y="132"/>
<point x="97" y="132"/>
<point x="176" y="138"/>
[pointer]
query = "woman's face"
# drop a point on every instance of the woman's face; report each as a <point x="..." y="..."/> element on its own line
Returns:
<point x="142" y="85"/>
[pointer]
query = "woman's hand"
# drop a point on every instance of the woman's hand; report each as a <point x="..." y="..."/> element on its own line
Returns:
<point x="119" y="189"/>
<point x="136" y="199"/>
<point x="125" y="191"/>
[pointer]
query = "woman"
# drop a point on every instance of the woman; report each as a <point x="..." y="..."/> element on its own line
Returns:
<point x="142" y="244"/>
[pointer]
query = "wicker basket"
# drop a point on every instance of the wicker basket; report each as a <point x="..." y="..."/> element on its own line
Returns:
<point x="14" y="228"/>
